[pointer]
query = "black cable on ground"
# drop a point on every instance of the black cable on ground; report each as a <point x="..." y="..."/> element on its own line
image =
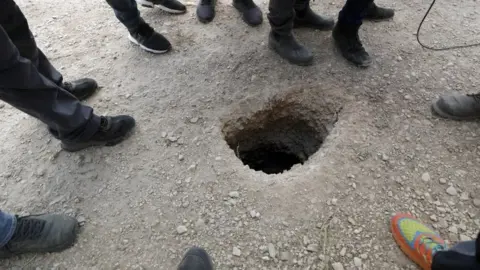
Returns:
<point x="441" y="48"/>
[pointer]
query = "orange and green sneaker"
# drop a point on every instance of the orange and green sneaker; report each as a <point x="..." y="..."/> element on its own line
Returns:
<point x="417" y="241"/>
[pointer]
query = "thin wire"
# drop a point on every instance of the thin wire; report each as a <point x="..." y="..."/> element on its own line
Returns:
<point x="441" y="48"/>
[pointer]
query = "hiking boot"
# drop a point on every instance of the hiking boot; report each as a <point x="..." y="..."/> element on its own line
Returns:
<point x="170" y="6"/>
<point x="112" y="131"/>
<point x="288" y="48"/>
<point x="348" y="42"/>
<point x="81" y="89"/>
<point x="376" y="13"/>
<point x="416" y="240"/>
<point x="251" y="14"/>
<point x="149" y="40"/>
<point x="458" y="107"/>
<point x="309" y="19"/>
<point x="206" y="11"/>
<point x="196" y="259"/>
<point x="40" y="234"/>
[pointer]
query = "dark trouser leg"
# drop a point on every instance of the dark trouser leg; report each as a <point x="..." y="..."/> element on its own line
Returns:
<point x="127" y="13"/>
<point x="353" y="11"/>
<point x="24" y="87"/>
<point x="463" y="256"/>
<point x="16" y="26"/>
<point x="280" y="16"/>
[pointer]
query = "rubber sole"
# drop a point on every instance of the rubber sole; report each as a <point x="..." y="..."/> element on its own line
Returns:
<point x="303" y="64"/>
<point x="134" y="41"/>
<point x="397" y="235"/>
<point x="149" y="4"/>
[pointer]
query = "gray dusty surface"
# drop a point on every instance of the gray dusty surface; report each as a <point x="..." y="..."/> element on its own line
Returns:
<point x="386" y="153"/>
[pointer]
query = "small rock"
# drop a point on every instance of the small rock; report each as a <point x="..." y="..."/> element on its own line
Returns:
<point x="334" y="201"/>
<point x="271" y="250"/>
<point x="236" y="252"/>
<point x="285" y="256"/>
<point x="194" y="120"/>
<point x="426" y="177"/>
<point x="476" y="202"/>
<point x="173" y="139"/>
<point x="351" y="221"/>
<point x="433" y="218"/>
<point x="464" y="238"/>
<point x="357" y="262"/>
<point x="443" y="223"/>
<point x="451" y="191"/>
<point x="164" y="134"/>
<point x="200" y="223"/>
<point x="465" y="196"/>
<point x="343" y="251"/>
<point x="453" y="229"/>
<point x="181" y="229"/>
<point x="234" y="194"/>
<point x="81" y="220"/>
<point x="337" y="266"/>
<point x="181" y="157"/>
<point x="442" y="181"/>
<point x="312" y="247"/>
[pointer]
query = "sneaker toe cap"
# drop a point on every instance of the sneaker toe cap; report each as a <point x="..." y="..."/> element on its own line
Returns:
<point x="253" y="16"/>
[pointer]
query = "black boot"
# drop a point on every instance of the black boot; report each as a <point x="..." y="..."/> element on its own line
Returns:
<point x="458" y="107"/>
<point x="206" y="11"/>
<point x="112" y="131"/>
<point x="348" y="42"/>
<point x="251" y="14"/>
<point x="196" y="259"/>
<point x="288" y="48"/>
<point x="40" y="234"/>
<point x="81" y="89"/>
<point x="306" y="17"/>
<point x="376" y="13"/>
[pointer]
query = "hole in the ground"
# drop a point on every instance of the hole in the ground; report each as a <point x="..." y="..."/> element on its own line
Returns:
<point x="276" y="138"/>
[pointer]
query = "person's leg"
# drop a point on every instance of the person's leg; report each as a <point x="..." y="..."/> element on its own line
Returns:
<point x="141" y="33"/>
<point x="345" y="33"/>
<point x="7" y="227"/>
<point x="306" y="17"/>
<point x="22" y="86"/>
<point x="462" y="256"/>
<point x="42" y="233"/>
<point x="170" y="6"/>
<point x="196" y="259"/>
<point x="281" y="39"/>
<point x="16" y="26"/>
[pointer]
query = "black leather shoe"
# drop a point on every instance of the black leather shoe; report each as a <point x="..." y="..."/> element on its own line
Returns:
<point x="376" y="13"/>
<point x="458" y="107"/>
<point x="206" y="11"/>
<point x="251" y="14"/>
<point x="288" y="48"/>
<point x="196" y="259"/>
<point x="81" y="89"/>
<point x="170" y="6"/>
<point x="112" y="131"/>
<point x="310" y="19"/>
<point x="348" y="42"/>
<point x="40" y="234"/>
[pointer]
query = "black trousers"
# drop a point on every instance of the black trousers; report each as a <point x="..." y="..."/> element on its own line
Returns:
<point x="30" y="83"/>
<point x="282" y="12"/>
<point x="463" y="256"/>
<point x="127" y="13"/>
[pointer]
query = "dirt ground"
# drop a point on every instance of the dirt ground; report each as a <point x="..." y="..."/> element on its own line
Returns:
<point x="385" y="154"/>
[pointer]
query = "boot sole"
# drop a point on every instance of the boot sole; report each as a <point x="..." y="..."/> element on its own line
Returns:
<point x="437" y="111"/>
<point x="134" y="41"/>
<point x="148" y="4"/>
<point x="85" y="146"/>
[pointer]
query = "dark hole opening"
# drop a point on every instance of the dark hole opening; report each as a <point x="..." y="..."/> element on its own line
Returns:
<point x="269" y="159"/>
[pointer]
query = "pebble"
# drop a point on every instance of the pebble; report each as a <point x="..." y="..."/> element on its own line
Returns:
<point x="236" y="252"/>
<point x="181" y="157"/>
<point x="465" y="196"/>
<point x="351" y="221"/>
<point x="312" y="247"/>
<point x="453" y="229"/>
<point x="464" y="238"/>
<point x="194" y="120"/>
<point x="426" y="177"/>
<point x="181" y="229"/>
<point x="357" y="262"/>
<point x="442" y="181"/>
<point x="254" y="214"/>
<point x="451" y="191"/>
<point x="200" y="223"/>
<point x="285" y="256"/>
<point x="433" y="218"/>
<point x="343" y="251"/>
<point x="234" y="194"/>
<point x="476" y="202"/>
<point x="337" y="266"/>
<point x="334" y="201"/>
<point x="271" y="250"/>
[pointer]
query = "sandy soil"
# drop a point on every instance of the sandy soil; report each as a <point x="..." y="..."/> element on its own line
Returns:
<point x="386" y="153"/>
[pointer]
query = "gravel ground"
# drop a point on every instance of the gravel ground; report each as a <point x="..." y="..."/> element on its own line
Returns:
<point x="177" y="183"/>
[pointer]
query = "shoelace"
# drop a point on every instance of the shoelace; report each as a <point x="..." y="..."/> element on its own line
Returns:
<point x="476" y="96"/>
<point x="426" y="241"/>
<point x="28" y="228"/>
